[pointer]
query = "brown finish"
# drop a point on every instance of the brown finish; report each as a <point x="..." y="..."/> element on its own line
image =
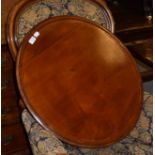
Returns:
<point x="77" y="80"/>
<point x="143" y="49"/>
<point x="12" y="142"/>
<point x="12" y="22"/>
<point x="6" y="6"/>
<point x="140" y="44"/>
<point x="147" y="76"/>
<point x="10" y="115"/>
<point x="129" y="18"/>
<point x="132" y="27"/>
<point x="11" y="26"/>
<point x="13" y="138"/>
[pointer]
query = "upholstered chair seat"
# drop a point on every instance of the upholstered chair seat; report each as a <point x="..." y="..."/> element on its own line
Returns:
<point x="138" y="142"/>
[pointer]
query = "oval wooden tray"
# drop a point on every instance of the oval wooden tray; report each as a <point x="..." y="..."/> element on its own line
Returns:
<point x="79" y="81"/>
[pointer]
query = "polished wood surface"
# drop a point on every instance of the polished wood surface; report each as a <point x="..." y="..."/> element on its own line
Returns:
<point x="143" y="49"/>
<point x="10" y="26"/>
<point x="6" y="7"/>
<point x="77" y="79"/>
<point x="134" y="28"/>
<point x="12" y="23"/>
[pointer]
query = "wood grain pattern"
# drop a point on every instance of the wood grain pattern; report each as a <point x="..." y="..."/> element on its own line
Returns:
<point x="78" y="80"/>
<point x="6" y="7"/>
<point x="10" y="26"/>
<point x="16" y="11"/>
<point x="13" y="24"/>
